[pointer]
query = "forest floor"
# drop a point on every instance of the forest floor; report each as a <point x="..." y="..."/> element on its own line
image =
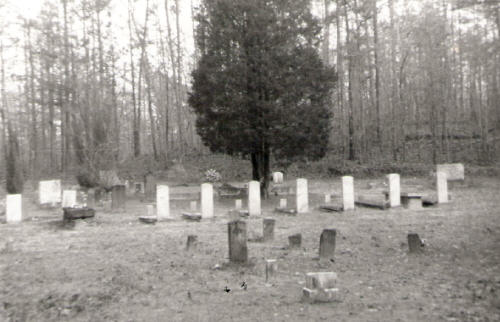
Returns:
<point x="115" y="268"/>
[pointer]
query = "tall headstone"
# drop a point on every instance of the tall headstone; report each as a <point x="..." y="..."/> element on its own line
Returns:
<point x="394" y="190"/>
<point x="162" y="202"/>
<point x="149" y="186"/>
<point x="207" y="200"/>
<point x="118" y="196"/>
<point x="237" y="238"/>
<point x="238" y="204"/>
<point x="278" y="177"/>
<point x="254" y="198"/>
<point x="283" y="203"/>
<point x="442" y="187"/>
<point x="13" y="208"/>
<point x="49" y="192"/>
<point x="69" y="198"/>
<point x="327" y="244"/>
<point x="302" y="196"/>
<point x="271" y="268"/>
<point x="348" y="192"/>
<point x="268" y="228"/>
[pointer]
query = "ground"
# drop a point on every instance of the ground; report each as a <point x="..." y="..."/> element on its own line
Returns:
<point x="115" y="268"/>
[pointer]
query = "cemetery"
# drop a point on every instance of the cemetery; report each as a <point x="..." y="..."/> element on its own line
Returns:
<point x="315" y="252"/>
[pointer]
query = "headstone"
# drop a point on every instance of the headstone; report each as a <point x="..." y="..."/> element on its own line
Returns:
<point x="91" y="198"/>
<point x="69" y="198"/>
<point x="118" y="197"/>
<point x="442" y="187"/>
<point x="77" y="213"/>
<point x="191" y="216"/>
<point x="268" y="229"/>
<point x="148" y="219"/>
<point x="238" y="204"/>
<point x="348" y="192"/>
<point x="192" y="240"/>
<point x="327" y="244"/>
<point x="414" y="243"/>
<point x="237" y="239"/>
<point x="49" y="192"/>
<point x="302" y="196"/>
<point x="254" y="198"/>
<point x="295" y="241"/>
<point x="328" y="198"/>
<point x="13" y="208"/>
<point x="454" y="171"/>
<point x="320" y="287"/>
<point x="207" y="200"/>
<point x="283" y="203"/>
<point x="271" y="268"/>
<point x="150" y="210"/>
<point x="277" y="177"/>
<point x="149" y="186"/>
<point x="193" y="205"/>
<point x="162" y="202"/>
<point x="394" y="190"/>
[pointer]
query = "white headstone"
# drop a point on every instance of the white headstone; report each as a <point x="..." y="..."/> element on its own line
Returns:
<point x="207" y="200"/>
<point x="394" y="190"/>
<point x="254" y="198"/>
<point x="193" y="206"/>
<point x="442" y="187"/>
<point x="348" y="192"/>
<point x="278" y="177"/>
<point x="328" y="198"/>
<point x="49" y="192"/>
<point x="454" y="171"/>
<point x="14" y="208"/>
<point x="68" y="199"/>
<point x="302" y="196"/>
<point x="238" y="204"/>
<point x="162" y="202"/>
<point x="283" y="203"/>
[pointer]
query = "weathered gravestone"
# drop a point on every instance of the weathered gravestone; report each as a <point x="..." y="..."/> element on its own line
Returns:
<point x="13" y="208"/>
<point x="348" y="192"/>
<point x="192" y="241"/>
<point x="295" y="241"/>
<point x="207" y="200"/>
<point x="237" y="239"/>
<point x="162" y="202"/>
<point x="320" y="287"/>
<point x="302" y="196"/>
<point x="271" y="269"/>
<point x="238" y="204"/>
<point x="77" y="213"/>
<point x="254" y="198"/>
<point x="149" y="186"/>
<point x="49" y="192"/>
<point x="394" y="190"/>
<point x="277" y="177"/>
<point x="328" y="198"/>
<point x="118" y="197"/>
<point x="415" y="244"/>
<point x="454" y="171"/>
<point x="69" y="198"/>
<point x="268" y="229"/>
<point x="283" y="203"/>
<point x="442" y="187"/>
<point x="327" y="244"/>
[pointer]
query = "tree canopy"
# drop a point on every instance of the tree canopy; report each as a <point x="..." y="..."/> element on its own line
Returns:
<point x="260" y="87"/>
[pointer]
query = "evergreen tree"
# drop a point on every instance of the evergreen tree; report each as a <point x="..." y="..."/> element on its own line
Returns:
<point x="13" y="164"/>
<point x="260" y="87"/>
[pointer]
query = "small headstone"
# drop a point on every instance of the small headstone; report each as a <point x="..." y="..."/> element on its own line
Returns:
<point x="277" y="177"/>
<point x="348" y="192"/>
<point x="327" y="244"/>
<point x="328" y="198"/>
<point x="191" y="216"/>
<point x="268" y="229"/>
<point x="207" y="200"/>
<point x="442" y="187"/>
<point x="238" y="204"/>
<point x="295" y="241"/>
<point x="302" y="196"/>
<point x="13" y="208"/>
<point x="118" y="197"/>
<point x="148" y="219"/>
<point x="254" y="198"/>
<point x="77" y="213"/>
<point x="69" y="199"/>
<point x="162" y="202"/>
<point x="271" y="268"/>
<point x="149" y="186"/>
<point x="415" y="244"/>
<point x="320" y="287"/>
<point x="394" y="190"/>
<point x="49" y="192"/>
<point x="193" y="205"/>
<point x="237" y="239"/>
<point x="330" y="208"/>
<point x="454" y="171"/>
<point x="283" y="203"/>
<point x="192" y="240"/>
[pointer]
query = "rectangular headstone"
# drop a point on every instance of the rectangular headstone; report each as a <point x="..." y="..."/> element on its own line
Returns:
<point x="69" y="198"/>
<point x="277" y="177"/>
<point x="327" y="244"/>
<point x="302" y="196"/>
<point x="207" y="200"/>
<point x="238" y="204"/>
<point x="149" y="186"/>
<point x="268" y="229"/>
<point x="118" y="197"/>
<point x="14" y="208"/>
<point x="49" y="192"/>
<point x="454" y="171"/>
<point x="394" y="190"/>
<point x="237" y="239"/>
<point x="328" y="198"/>
<point x="414" y="243"/>
<point x="442" y="187"/>
<point x="348" y="192"/>
<point x="295" y="241"/>
<point x="271" y="268"/>
<point x="162" y="202"/>
<point x="283" y="203"/>
<point x="254" y="198"/>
